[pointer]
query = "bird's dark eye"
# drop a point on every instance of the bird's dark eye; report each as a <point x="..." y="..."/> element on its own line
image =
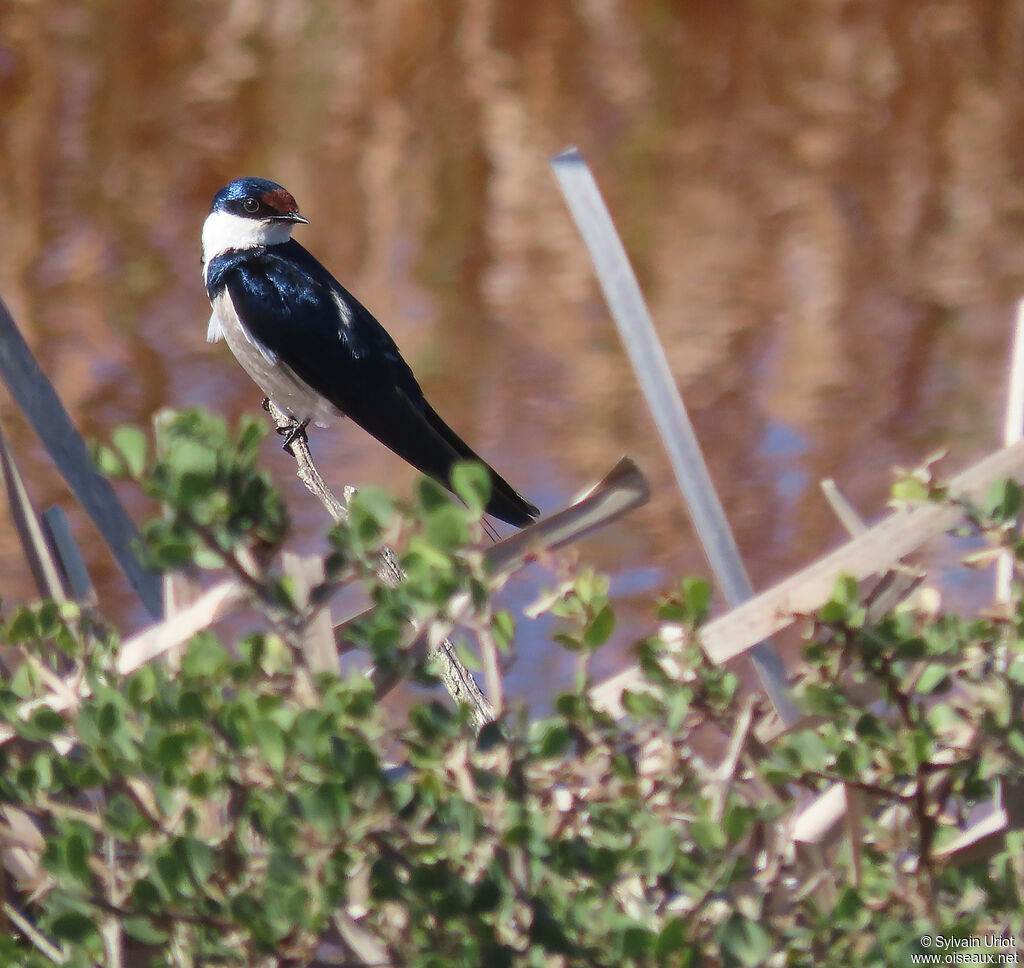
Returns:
<point x="251" y="204"/>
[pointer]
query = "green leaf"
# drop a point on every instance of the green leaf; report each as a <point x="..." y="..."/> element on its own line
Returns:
<point x="911" y="649"/>
<point x="172" y="750"/>
<point x="489" y="737"/>
<point x="695" y="599"/>
<point x="77" y="850"/>
<point x="24" y="627"/>
<point x="199" y="857"/>
<point x="270" y="740"/>
<point x="185" y="456"/>
<point x="640" y="705"/>
<point x="73" y="927"/>
<point x="660" y="843"/>
<point x="108" y="719"/>
<point x="446" y="528"/>
<point x="144" y="931"/>
<point x="934" y="678"/>
<point x="822" y="700"/>
<point x="107" y="461"/>
<point x="809" y="748"/>
<point x="430" y="495"/>
<point x="670" y="940"/>
<point x="204" y="657"/>
<point x="870" y="727"/>
<point x="131" y="443"/>
<point x="910" y="489"/>
<point x="193" y="488"/>
<point x="745" y="941"/>
<point x="123" y="817"/>
<point x="472" y="484"/>
<point x="737" y="821"/>
<point x="708" y="834"/>
<point x="556" y="742"/>
<point x="250" y="435"/>
<point x="636" y="942"/>
<point x="47" y="721"/>
<point x="1003" y="500"/>
<point x="600" y="628"/>
<point x="170" y="872"/>
<point x="146" y="896"/>
<point x="848" y="905"/>
<point x="677" y="708"/>
<point x="503" y="628"/>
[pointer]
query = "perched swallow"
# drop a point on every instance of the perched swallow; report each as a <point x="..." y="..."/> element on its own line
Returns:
<point x="312" y="347"/>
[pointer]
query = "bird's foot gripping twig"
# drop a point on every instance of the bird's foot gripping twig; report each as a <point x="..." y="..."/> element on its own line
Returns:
<point x="296" y="430"/>
<point x="292" y="431"/>
<point x="305" y="468"/>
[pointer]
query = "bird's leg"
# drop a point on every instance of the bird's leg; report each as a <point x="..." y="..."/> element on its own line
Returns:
<point x="296" y="430"/>
<point x="293" y="432"/>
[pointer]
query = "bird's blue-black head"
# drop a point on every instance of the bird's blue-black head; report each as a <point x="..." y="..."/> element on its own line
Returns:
<point x="258" y="199"/>
<point x="249" y="213"/>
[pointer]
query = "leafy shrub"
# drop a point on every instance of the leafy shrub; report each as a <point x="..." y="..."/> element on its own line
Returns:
<point x="244" y="811"/>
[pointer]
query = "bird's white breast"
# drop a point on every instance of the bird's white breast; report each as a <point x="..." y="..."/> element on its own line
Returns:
<point x="276" y="379"/>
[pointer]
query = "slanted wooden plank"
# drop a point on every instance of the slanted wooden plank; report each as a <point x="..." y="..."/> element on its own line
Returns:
<point x="318" y="636"/>
<point x="179" y="628"/>
<point x="38" y="400"/>
<point x="37" y="552"/>
<point x="623" y="489"/>
<point x="874" y="551"/>
<point x="1013" y="430"/>
<point x="142" y="648"/>
<point x="980" y="840"/>
<point x="620" y="491"/>
<point x="636" y="328"/>
<point x="72" y="565"/>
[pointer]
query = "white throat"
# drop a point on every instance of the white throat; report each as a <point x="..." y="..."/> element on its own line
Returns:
<point x="223" y="231"/>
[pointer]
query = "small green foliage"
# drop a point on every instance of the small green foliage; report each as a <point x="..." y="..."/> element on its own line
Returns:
<point x="130" y="443"/>
<point x="472" y="484"/>
<point x="1003" y="501"/>
<point x="222" y="814"/>
<point x="207" y="479"/>
<point x="689" y="604"/>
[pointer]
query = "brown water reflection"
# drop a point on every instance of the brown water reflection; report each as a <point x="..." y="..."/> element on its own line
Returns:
<point x="823" y="202"/>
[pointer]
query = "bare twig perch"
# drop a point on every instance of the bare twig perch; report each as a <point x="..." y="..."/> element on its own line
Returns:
<point x="305" y="468"/>
<point x="457" y="679"/>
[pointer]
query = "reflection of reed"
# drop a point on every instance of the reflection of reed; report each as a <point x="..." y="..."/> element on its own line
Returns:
<point x="822" y="208"/>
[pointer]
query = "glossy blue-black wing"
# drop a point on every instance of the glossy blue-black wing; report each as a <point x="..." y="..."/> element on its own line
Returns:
<point x="294" y="308"/>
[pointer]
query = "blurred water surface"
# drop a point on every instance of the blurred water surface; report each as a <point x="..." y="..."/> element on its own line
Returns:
<point x="823" y="201"/>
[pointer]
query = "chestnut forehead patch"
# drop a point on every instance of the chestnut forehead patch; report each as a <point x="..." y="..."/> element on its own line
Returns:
<point x="279" y="200"/>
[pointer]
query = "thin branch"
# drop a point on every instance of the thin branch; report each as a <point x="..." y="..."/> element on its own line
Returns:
<point x="27" y="928"/>
<point x="456" y="677"/>
<point x="306" y="470"/>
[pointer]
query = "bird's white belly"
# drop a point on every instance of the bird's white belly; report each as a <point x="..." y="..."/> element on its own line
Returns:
<point x="276" y="379"/>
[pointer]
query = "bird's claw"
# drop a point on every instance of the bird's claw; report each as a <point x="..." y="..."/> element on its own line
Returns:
<point x="293" y="432"/>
